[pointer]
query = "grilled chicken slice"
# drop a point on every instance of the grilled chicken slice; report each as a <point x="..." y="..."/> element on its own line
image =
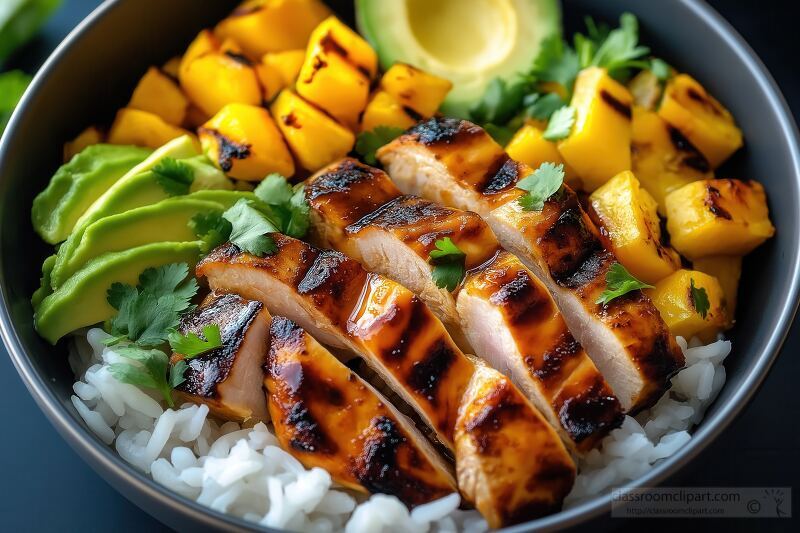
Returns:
<point x="396" y="333"/>
<point x="357" y="210"/>
<point x="627" y="339"/>
<point x="513" y="323"/>
<point x="327" y="416"/>
<point x="495" y="434"/>
<point x="228" y="379"/>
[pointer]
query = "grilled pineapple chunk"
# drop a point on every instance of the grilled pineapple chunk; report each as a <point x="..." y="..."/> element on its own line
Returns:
<point x="158" y="94"/>
<point x="628" y="214"/>
<point x="384" y="110"/>
<point x="700" y="118"/>
<point x="718" y="217"/>
<point x="680" y="298"/>
<point x="337" y="71"/>
<point x="216" y="79"/>
<point x="243" y="141"/>
<point x="663" y="159"/>
<point x="86" y="138"/>
<point x="313" y="137"/>
<point x="287" y="63"/>
<point x="205" y="43"/>
<point x="262" y="26"/>
<point x="529" y="147"/>
<point x="599" y="146"/>
<point x="727" y="270"/>
<point x="414" y="88"/>
<point x="140" y="128"/>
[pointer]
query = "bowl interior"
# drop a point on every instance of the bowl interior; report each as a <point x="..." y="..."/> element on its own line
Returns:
<point x="94" y="74"/>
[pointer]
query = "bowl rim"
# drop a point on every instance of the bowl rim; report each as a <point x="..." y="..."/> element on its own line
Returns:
<point x="150" y="495"/>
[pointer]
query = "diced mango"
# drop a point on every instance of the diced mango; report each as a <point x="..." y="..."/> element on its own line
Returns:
<point x="718" y="217"/>
<point x="288" y="63"/>
<point x="420" y="91"/>
<point x="675" y="300"/>
<point x="140" y="128"/>
<point x="160" y="95"/>
<point x="172" y="68"/>
<point x="727" y="270"/>
<point x="330" y="77"/>
<point x="243" y="141"/>
<point x="662" y="158"/>
<point x="231" y="47"/>
<point x="529" y="147"/>
<point x="203" y="44"/>
<point x="599" y="146"/>
<point x="86" y="138"/>
<point x="213" y="80"/>
<point x="700" y="118"/>
<point x="313" y="137"/>
<point x="336" y="37"/>
<point x="628" y="214"/>
<point x="262" y="26"/>
<point x="271" y="80"/>
<point x="384" y="110"/>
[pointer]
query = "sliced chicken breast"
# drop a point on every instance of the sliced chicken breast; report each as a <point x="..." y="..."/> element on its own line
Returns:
<point x="327" y="416"/>
<point x="496" y="432"/>
<point x="513" y="323"/>
<point x="228" y="379"/>
<point x="627" y="339"/>
<point x="394" y="238"/>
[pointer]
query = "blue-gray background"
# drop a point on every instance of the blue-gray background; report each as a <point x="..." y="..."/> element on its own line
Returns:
<point x="47" y="487"/>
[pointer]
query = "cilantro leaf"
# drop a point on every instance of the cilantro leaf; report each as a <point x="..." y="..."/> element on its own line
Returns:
<point x="660" y="69"/>
<point x="299" y="219"/>
<point x="288" y="206"/>
<point x="177" y="373"/>
<point x="174" y="176"/>
<point x="211" y="228"/>
<point x="502" y="135"/>
<point x="192" y="345"/>
<point x="618" y="50"/>
<point x="618" y="283"/>
<point x="12" y="87"/>
<point x="149" y="369"/>
<point x="448" y="264"/>
<point x="543" y="183"/>
<point x="556" y="63"/>
<point x="542" y="106"/>
<point x="369" y="142"/>
<point x="249" y="229"/>
<point x="560" y="124"/>
<point x="500" y="102"/>
<point x="274" y="190"/>
<point x="699" y="299"/>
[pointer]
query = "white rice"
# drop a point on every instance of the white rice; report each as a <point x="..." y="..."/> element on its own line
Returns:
<point x="243" y="472"/>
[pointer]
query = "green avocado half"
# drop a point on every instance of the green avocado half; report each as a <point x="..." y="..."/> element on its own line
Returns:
<point x="469" y="42"/>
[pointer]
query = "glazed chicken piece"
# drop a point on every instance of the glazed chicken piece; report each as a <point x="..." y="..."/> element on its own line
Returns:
<point x="457" y="163"/>
<point x="357" y="210"/>
<point x="332" y="297"/>
<point x="327" y="416"/>
<point x="228" y="379"/>
<point x="514" y="325"/>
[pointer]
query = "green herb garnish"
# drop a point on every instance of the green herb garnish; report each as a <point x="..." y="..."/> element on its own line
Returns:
<point x="556" y="63"/>
<point x="543" y="183"/>
<point x="560" y="124"/>
<point x="616" y="50"/>
<point x="699" y="299"/>
<point x="368" y="142"/>
<point x="500" y="102"/>
<point x="542" y="106"/>
<point x="618" y="283"/>
<point x="211" y="228"/>
<point x="151" y="370"/>
<point x="288" y="206"/>
<point x="174" y="176"/>
<point x="660" y="69"/>
<point x="448" y="264"/>
<point x="192" y="345"/>
<point x="249" y="229"/>
<point x="502" y="135"/>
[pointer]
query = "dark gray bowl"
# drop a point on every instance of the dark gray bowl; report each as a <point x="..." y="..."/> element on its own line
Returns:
<point x="92" y="74"/>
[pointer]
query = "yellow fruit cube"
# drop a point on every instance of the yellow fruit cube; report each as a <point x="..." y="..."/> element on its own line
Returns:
<point x="271" y="80"/>
<point x="662" y="158"/>
<point x="700" y="118"/>
<point x="529" y="147"/>
<point x="728" y="271"/>
<point x="244" y="142"/>
<point x="330" y="77"/>
<point x="599" y="146"/>
<point x="718" y="217"/>
<point x="288" y="63"/>
<point x="140" y="128"/>
<point x="313" y="137"/>
<point x="420" y="91"/>
<point x="86" y="138"/>
<point x="160" y="95"/>
<point x="384" y="110"/>
<point x="262" y="26"/>
<point x="172" y="68"/>
<point x="680" y="298"/>
<point x="205" y="43"/>
<point x="628" y="214"/>
<point x="214" y="80"/>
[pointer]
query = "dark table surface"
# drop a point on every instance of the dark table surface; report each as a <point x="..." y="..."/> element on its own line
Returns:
<point x="49" y="488"/>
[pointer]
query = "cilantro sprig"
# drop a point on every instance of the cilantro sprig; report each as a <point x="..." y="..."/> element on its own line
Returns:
<point x="542" y="184"/>
<point x="211" y="228"/>
<point x="174" y="176"/>
<point x="619" y="282"/>
<point x="150" y="368"/>
<point x="191" y="344"/>
<point x="699" y="299"/>
<point x="368" y="142"/>
<point x="560" y="124"/>
<point x="249" y="229"/>
<point x="288" y="206"/>
<point x="448" y="264"/>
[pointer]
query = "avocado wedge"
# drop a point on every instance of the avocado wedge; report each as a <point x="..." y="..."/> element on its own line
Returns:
<point x="81" y="300"/>
<point x="206" y="175"/>
<point x="469" y="42"/>
<point x="167" y="220"/>
<point x="77" y="184"/>
<point x="45" y="288"/>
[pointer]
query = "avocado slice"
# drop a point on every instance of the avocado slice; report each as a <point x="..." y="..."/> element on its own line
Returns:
<point x="45" y="288"/>
<point x="167" y="220"/>
<point x="226" y="198"/>
<point x="469" y="42"/>
<point x="81" y="301"/>
<point x="206" y="175"/>
<point x="77" y="184"/>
